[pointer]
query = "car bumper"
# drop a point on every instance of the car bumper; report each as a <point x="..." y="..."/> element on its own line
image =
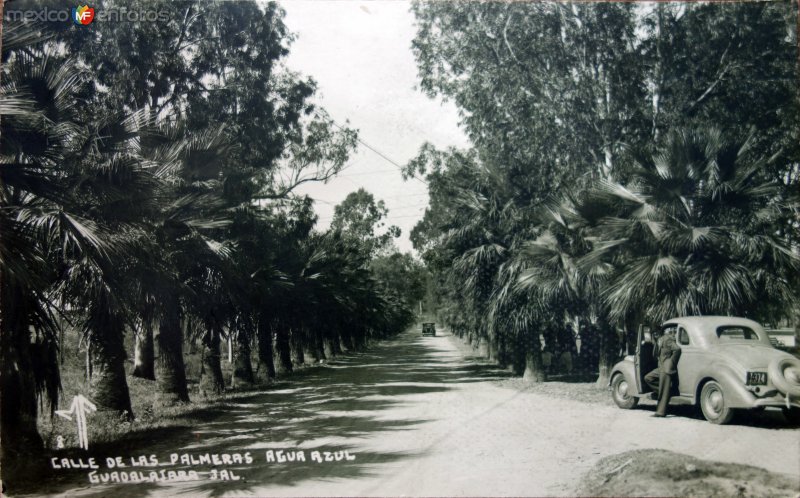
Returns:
<point x="778" y="400"/>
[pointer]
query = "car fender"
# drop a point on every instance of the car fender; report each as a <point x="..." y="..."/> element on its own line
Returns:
<point x="626" y="368"/>
<point x="736" y="394"/>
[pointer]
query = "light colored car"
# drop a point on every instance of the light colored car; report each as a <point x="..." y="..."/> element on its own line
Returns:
<point x="726" y="364"/>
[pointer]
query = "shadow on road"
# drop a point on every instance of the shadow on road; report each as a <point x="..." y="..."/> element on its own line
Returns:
<point x="333" y="407"/>
<point x="765" y="419"/>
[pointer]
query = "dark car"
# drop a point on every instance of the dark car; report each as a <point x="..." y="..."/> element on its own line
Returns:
<point x="428" y="329"/>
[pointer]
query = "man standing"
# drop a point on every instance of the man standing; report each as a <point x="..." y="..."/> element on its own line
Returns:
<point x="662" y="378"/>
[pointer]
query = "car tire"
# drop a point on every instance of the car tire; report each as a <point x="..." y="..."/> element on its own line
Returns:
<point x="712" y="403"/>
<point x="787" y="384"/>
<point x="619" y="391"/>
<point x="792" y="416"/>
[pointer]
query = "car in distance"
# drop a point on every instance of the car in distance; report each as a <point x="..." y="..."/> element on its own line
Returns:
<point x="726" y="364"/>
<point x="428" y="329"/>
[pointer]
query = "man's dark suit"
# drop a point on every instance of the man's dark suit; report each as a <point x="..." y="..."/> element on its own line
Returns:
<point x="662" y="378"/>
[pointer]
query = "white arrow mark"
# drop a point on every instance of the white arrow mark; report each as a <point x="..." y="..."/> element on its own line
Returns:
<point x="80" y="407"/>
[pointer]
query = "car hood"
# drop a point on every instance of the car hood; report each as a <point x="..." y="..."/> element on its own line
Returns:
<point x="749" y="356"/>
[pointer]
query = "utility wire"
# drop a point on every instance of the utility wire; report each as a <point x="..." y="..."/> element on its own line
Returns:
<point x="388" y="218"/>
<point x="362" y="142"/>
<point x="363" y="173"/>
<point x="379" y="153"/>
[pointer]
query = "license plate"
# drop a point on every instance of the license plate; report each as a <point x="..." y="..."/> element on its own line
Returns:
<point x="756" y="378"/>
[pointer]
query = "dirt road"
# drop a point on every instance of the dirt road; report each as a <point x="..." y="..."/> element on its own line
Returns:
<point x="418" y="418"/>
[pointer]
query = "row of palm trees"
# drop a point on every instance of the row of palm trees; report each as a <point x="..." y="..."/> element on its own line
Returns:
<point x="123" y="222"/>
<point x="694" y="227"/>
<point x="597" y="189"/>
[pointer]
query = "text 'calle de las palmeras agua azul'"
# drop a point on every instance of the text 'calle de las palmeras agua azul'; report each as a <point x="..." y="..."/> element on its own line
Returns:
<point x="190" y="466"/>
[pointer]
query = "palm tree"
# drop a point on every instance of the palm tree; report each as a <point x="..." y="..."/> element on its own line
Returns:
<point x="695" y="232"/>
<point x="189" y="164"/>
<point x="483" y="229"/>
<point x="558" y="272"/>
<point x="212" y="309"/>
<point x="268" y="283"/>
<point x="57" y="186"/>
<point x="518" y="315"/>
<point x="32" y="221"/>
<point x="144" y="346"/>
<point x="117" y="192"/>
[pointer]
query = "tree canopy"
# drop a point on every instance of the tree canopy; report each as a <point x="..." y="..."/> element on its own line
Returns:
<point x="629" y="163"/>
<point x="148" y="188"/>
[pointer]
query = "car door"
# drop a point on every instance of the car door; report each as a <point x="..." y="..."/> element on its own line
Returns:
<point x="689" y="364"/>
<point x="637" y="355"/>
<point x="643" y="358"/>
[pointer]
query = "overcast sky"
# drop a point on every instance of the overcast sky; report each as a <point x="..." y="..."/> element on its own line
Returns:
<point x="359" y="52"/>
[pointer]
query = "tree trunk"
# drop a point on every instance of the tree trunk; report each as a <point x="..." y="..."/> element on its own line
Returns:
<point x="360" y="340"/>
<point x="315" y="348"/>
<point x="283" y="349"/>
<point x="108" y="386"/>
<point x="518" y="354"/>
<point x="534" y="368"/>
<point x="502" y="353"/>
<point x="319" y="347"/>
<point x="211" y="380"/>
<point x="331" y="347"/>
<point x="310" y="354"/>
<point x="144" y="364"/>
<point x="609" y="344"/>
<point x="265" y="349"/>
<point x="171" y="374"/>
<point x="482" y="347"/>
<point x="336" y="344"/>
<point x="347" y="340"/>
<point x="297" y="347"/>
<point x="18" y="406"/>
<point x="242" y="362"/>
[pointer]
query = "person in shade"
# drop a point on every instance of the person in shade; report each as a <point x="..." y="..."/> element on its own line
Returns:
<point x="663" y="379"/>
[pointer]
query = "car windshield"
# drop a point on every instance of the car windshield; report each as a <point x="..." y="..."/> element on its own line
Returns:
<point x="736" y="333"/>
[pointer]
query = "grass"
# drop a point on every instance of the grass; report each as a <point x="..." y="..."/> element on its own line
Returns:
<point x="150" y="411"/>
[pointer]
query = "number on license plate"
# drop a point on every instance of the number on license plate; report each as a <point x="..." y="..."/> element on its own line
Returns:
<point x="756" y="378"/>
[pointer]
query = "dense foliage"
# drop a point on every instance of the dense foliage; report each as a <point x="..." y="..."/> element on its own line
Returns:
<point x="147" y="183"/>
<point x="631" y="163"/>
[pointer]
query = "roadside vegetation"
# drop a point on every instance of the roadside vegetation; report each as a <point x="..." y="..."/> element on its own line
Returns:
<point x="630" y="163"/>
<point x="153" y="250"/>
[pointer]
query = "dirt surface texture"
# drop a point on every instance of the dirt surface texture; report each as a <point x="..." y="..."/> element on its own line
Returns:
<point x="665" y="473"/>
<point x="419" y="416"/>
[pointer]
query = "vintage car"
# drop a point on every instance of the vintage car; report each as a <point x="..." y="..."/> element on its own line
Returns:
<point x="726" y="364"/>
<point x="428" y="329"/>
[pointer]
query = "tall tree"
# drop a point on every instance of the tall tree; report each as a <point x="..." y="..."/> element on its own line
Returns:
<point x="360" y="217"/>
<point x="694" y="233"/>
<point x="555" y="99"/>
<point x="60" y="192"/>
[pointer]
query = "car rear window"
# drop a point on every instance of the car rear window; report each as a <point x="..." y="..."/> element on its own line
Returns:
<point x="736" y="333"/>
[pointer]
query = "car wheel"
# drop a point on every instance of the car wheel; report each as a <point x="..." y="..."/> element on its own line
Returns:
<point x="712" y="403"/>
<point x="792" y="415"/>
<point x="619" y="391"/>
<point x="785" y="374"/>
